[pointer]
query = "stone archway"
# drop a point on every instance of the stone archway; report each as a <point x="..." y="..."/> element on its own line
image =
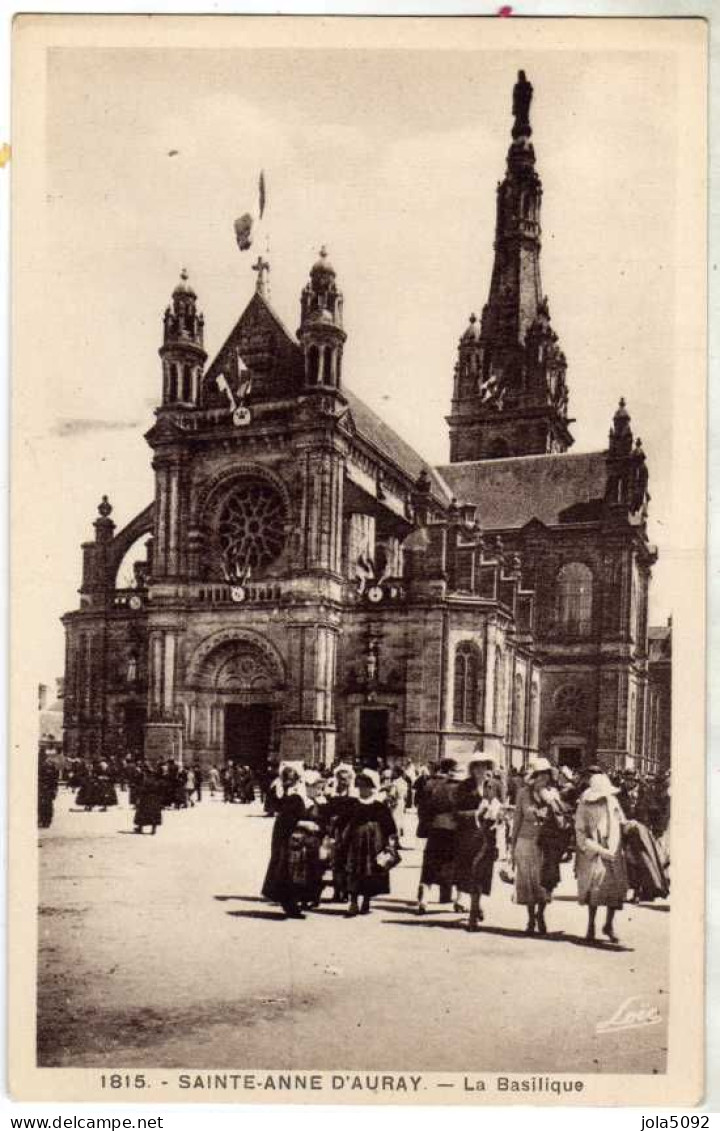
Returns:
<point x="238" y="656"/>
<point x="234" y="687"/>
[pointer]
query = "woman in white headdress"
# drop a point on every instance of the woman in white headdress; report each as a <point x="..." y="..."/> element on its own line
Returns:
<point x="601" y="873"/>
<point x="340" y="806"/>
<point x="306" y="867"/>
<point x="282" y="883"/>
<point x="371" y="845"/>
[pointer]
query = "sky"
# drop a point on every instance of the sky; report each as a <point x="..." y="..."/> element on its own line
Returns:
<point x="392" y="160"/>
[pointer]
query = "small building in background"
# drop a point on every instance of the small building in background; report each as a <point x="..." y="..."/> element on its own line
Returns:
<point x="659" y="710"/>
<point x="51" y="718"/>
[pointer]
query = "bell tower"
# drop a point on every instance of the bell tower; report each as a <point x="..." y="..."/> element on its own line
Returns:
<point x="510" y="395"/>
<point x="182" y="350"/>
<point x="321" y="331"/>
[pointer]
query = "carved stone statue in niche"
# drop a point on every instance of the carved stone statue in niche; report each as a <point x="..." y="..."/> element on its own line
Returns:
<point x="371" y="662"/>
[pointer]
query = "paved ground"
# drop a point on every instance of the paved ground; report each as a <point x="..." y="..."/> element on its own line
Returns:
<point x="159" y="951"/>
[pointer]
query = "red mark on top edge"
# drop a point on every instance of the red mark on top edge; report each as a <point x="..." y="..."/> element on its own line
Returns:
<point x="506" y="10"/>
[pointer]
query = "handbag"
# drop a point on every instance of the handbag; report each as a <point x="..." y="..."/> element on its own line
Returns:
<point x="388" y="858"/>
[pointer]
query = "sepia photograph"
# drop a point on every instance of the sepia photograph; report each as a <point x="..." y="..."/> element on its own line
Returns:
<point x="358" y="533"/>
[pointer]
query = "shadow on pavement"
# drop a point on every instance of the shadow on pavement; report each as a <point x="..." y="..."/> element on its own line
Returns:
<point x="507" y="932"/>
<point x="244" y="898"/>
<point x="279" y="915"/>
<point x="601" y="944"/>
<point x="382" y="901"/>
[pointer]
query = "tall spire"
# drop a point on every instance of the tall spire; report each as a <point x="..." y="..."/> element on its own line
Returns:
<point x="517" y="405"/>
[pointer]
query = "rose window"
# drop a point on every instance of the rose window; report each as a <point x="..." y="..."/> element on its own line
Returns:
<point x="570" y="700"/>
<point x="251" y="528"/>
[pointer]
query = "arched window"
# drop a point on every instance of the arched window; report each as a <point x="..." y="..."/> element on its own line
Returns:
<point x="80" y="674"/>
<point x="497" y="692"/>
<point x="574" y="599"/>
<point x="465" y="698"/>
<point x="172" y="382"/>
<point x="534" y="714"/>
<point x="518" y="710"/>
<point x="187" y="384"/>
<point x="328" y="367"/>
<point x="313" y="365"/>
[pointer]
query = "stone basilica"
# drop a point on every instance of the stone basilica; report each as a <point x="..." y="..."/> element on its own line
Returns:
<point x="312" y="589"/>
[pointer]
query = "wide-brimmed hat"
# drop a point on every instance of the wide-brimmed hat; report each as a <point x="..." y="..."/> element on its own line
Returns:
<point x="479" y="758"/>
<point x="371" y="776"/>
<point x="539" y="766"/>
<point x="567" y="773"/>
<point x="344" y="768"/>
<point x="312" y="777"/>
<point x="599" y="788"/>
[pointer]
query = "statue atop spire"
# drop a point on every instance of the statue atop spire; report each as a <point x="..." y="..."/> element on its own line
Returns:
<point x="522" y="97"/>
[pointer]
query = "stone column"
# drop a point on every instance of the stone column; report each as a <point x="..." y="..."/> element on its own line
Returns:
<point x="322" y="510"/>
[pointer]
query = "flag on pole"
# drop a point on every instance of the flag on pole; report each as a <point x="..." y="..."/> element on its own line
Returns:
<point x="243" y="231"/>
<point x="244" y="223"/>
<point x="224" y="386"/>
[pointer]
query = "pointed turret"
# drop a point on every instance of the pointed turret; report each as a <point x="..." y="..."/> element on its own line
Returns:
<point x="182" y="350"/>
<point x="510" y="393"/>
<point x="627" y="474"/>
<point x="321" y="331"/>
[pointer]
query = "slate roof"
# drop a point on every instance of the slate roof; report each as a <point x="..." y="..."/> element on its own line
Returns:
<point x="370" y="427"/>
<point x="510" y="492"/>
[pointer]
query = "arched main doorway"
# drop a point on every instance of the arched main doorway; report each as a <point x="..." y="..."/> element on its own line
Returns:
<point x="235" y="685"/>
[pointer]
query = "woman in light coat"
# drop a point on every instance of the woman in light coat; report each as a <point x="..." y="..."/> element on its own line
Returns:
<point x="532" y="812"/>
<point x="601" y="874"/>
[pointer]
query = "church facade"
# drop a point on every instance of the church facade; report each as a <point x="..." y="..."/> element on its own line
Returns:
<point x="312" y="589"/>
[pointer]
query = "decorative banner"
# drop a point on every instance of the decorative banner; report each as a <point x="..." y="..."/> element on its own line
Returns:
<point x="243" y="231"/>
<point x="261" y="193"/>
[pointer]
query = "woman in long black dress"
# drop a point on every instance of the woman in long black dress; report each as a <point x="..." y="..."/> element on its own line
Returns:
<point x="294" y="874"/>
<point x="339" y="808"/>
<point x="478" y="812"/>
<point x="371" y="843"/>
<point x="106" y="794"/>
<point x="437" y="821"/>
<point x="306" y="867"/>
<point x="149" y="804"/>
<point x="87" y="793"/>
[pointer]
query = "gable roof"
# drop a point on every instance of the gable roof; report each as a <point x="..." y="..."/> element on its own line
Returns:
<point x="265" y="345"/>
<point x="509" y="493"/>
<point x="369" y="426"/>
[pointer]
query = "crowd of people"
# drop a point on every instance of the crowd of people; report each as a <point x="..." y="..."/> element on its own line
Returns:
<point x="151" y="789"/>
<point x="344" y="830"/>
<point x="338" y="832"/>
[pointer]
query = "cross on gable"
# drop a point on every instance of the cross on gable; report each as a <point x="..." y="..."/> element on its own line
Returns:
<point x="262" y="267"/>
